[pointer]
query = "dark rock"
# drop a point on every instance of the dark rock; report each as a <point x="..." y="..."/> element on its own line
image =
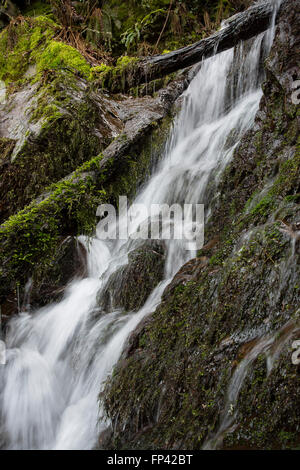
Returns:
<point x="130" y="286"/>
<point x="188" y="272"/>
<point x="47" y="285"/>
<point x="104" y="438"/>
<point x="69" y="263"/>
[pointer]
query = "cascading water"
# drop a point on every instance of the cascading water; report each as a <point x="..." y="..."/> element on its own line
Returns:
<point x="58" y="357"/>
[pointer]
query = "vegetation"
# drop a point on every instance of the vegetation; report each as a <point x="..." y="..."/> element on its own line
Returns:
<point x="104" y="28"/>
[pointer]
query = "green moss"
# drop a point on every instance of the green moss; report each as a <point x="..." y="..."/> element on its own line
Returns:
<point x="115" y="77"/>
<point x="99" y="69"/>
<point x="58" y="55"/>
<point x="287" y="179"/>
<point x="125" y="60"/>
<point x="286" y="185"/>
<point x="101" y="73"/>
<point x="49" y="112"/>
<point x="264" y="206"/>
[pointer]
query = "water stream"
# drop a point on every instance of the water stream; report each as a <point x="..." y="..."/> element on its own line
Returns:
<point x="58" y="356"/>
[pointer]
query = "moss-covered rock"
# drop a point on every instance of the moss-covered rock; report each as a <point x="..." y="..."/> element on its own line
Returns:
<point x="55" y="118"/>
<point x="270" y="420"/>
<point x="131" y="285"/>
<point x="57" y="125"/>
<point x="48" y="282"/>
<point x="69" y="263"/>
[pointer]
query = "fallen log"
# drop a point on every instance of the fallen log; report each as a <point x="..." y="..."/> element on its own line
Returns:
<point x="239" y="27"/>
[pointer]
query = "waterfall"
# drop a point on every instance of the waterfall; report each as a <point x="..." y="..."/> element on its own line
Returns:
<point x="59" y="357"/>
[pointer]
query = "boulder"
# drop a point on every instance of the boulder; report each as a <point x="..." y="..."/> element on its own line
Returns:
<point x="130" y="286"/>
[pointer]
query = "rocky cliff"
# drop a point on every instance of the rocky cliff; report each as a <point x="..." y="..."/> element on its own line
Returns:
<point x="211" y="367"/>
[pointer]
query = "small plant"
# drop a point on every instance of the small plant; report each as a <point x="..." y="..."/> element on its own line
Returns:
<point x="132" y="35"/>
<point x="75" y="27"/>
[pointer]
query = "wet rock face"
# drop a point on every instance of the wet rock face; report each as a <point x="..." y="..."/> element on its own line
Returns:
<point x="68" y="264"/>
<point x="131" y="285"/>
<point x="242" y="289"/>
<point x="268" y="405"/>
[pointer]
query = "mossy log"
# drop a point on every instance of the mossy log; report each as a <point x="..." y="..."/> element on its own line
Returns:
<point x="240" y="27"/>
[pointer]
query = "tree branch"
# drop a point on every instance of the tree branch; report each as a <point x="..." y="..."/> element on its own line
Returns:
<point x="239" y="27"/>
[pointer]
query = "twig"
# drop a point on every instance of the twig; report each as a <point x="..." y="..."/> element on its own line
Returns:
<point x="164" y="26"/>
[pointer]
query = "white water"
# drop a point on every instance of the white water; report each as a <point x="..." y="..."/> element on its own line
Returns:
<point x="58" y="357"/>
